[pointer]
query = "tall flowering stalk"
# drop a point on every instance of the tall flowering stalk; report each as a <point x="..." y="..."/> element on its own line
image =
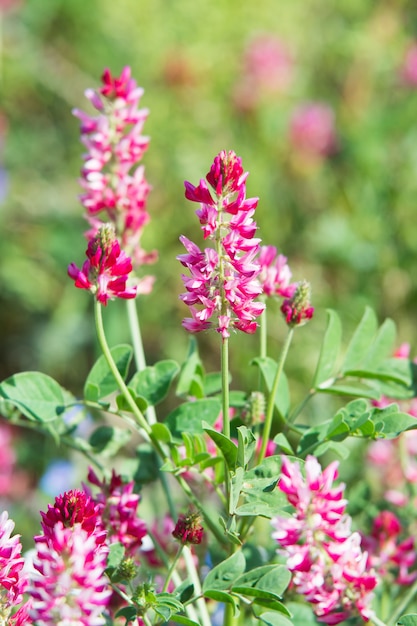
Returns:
<point x="222" y="287"/>
<point x="113" y="182"/>
<point x="328" y="564"/>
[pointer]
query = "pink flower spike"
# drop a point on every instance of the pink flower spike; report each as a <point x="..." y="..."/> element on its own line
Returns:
<point x="13" y="581"/>
<point x="106" y="270"/>
<point x="223" y="281"/>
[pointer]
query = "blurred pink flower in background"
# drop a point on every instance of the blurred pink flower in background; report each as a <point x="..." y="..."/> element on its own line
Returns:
<point x="389" y="555"/>
<point x="275" y="275"/>
<point x="312" y="130"/>
<point x="7" y="459"/>
<point x="267" y="69"/>
<point x="113" y="181"/>
<point x="408" y="70"/>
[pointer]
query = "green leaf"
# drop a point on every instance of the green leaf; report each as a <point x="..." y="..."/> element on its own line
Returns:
<point x="275" y="619"/>
<point x="36" y="395"/>
<point x="235" y="488"/>
<point x="383" y="344"/>
<point x="268" y="369"/>
<point x="182" y="619"/>
<point x="108" y="440"/>
<point x="212" y="383"/>
<point x="282" y="442"/>
<point x="408" y="620"/>
<point x="260" y="492"/>
<point x="188" y="417"/>
<point x="190" y="382"/>
<point x="302" y="613"/>
<point x="225" y="445"/>
<point x="100" y="381"/>
<point x="329" y="350"/>
<point x="390" y="422"/>
<point x="267" y="581"/>
<point x="246" y="445"/>
<point x="161" y="432"/>
<point x="221" y="596"/>
<point x="153" y="382"/>
<point x="116" y="554"/>
<point x="147" y="469"/>
<point x="222" y="576"/>
<point x="129" y="613"/>
<point x="361" y="341"/>
<point x="354" y="389"/>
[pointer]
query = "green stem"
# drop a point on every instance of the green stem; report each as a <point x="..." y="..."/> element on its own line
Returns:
<point x="117" y="376"/>
<point x="225" y="404"/>
<point x="271" y="401"/>
<point x="172" y="567"/>
<point x="399" y="611"/>
<point x="142" y="421"/>
<point x="138" y="351"/>
<point x="263" y="330"/>
<point x="229" y="618"/>
<point x="193" y="574"/>
<point x="375" y="620"/>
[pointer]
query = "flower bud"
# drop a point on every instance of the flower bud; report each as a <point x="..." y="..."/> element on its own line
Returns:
<point x="297" y="310"/>
<point x="188" y="529"/>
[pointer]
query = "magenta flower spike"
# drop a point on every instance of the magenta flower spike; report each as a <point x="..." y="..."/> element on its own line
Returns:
<point x="13" y="580"/>
<point x="106" y="270"/>
<point x="69" y="585"/>
<point x="275" y="274"/>
<point x="222" y="287"/>
<point x="117" y="506"/>
<point x="114" y="183"/>
<point x="325" y="557"/>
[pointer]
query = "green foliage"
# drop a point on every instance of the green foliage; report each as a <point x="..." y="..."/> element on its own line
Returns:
<point x="100" y="381"/>
<point x="37" y="396"/>
<point x="367" y="366"/>
<point x="153" y="383"/>
<point x="408" y="620"/>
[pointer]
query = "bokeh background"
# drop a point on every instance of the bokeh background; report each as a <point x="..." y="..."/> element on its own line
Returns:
<point x="318" y="97"/>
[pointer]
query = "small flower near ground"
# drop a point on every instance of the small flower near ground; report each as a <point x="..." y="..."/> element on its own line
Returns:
<point x="328" y="564"/>
<point x="106" y="270"/>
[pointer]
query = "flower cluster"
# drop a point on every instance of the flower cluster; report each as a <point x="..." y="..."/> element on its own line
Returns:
<point x="69" y="585"/>
<point x="312" y="130"/>
<point x="223" y="279"/>
<point x="117" y="506"/>
<point x="114" y="184"/>
<point x="328" y="565"/>
<point x="106" y="270"/>
<point x="275" y="274"/>
<point x="13" y="580"/>
<point x="390" y="556"/>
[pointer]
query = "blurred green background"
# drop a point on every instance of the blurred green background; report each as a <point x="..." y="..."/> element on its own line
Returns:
<point x="346" y="220"/>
